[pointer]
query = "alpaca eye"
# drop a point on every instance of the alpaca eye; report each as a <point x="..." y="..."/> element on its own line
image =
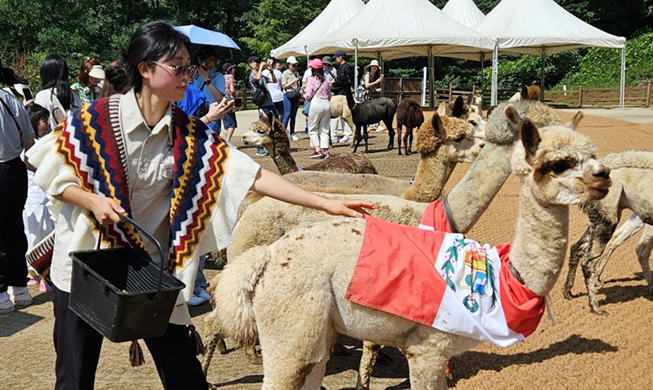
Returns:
<point x="472" y="123"/>
<point x="460" y="139"/>
<point x="560" y="167"/>
<point x="260" y="131"/>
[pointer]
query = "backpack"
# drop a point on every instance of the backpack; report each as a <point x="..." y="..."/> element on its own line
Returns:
<point x="259" y="95"/>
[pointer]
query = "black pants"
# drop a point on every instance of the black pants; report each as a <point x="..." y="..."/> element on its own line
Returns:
<point x="13" y="243"/>
<point x="78" y="347"/>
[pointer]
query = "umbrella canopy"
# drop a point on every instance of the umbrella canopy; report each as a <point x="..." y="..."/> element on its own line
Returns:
<point x="203" y="36"/>
<point x="463" y="11"/>
<point x="402" y="29"/>
<point x="329" y="20"/>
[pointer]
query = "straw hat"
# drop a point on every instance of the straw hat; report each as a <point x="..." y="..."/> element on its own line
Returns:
<point x="373" y="63"/>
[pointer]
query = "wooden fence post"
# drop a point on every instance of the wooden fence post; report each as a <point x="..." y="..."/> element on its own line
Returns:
<point x="580" y="96"/>
<point x="244" y="93"/>
<point x="450" y="93"/>
<point x="648" y="94"/>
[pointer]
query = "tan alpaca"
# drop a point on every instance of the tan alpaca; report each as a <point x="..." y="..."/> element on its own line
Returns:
<point x="631" y="174"/>
<point x="270" y="219"/>
<point x="294" y="300"/>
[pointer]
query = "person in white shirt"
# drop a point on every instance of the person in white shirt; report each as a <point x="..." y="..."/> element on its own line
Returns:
<point x="275" y="88"/>
<point x="153" y="132"/>
<point x="56" y="95"/>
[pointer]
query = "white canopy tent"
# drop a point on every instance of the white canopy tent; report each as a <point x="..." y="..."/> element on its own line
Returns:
<point x="463" y="11"/>
<point x="542" y="27"/>
<point x="387" y="29"/>
<point x="332" y="18"/>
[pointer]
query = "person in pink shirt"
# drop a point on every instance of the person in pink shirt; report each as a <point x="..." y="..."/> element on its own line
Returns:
<point x="318" y="92"/>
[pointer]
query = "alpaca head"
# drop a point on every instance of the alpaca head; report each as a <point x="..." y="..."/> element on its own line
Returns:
<point x="262" y="134"/>
<point x="458" y="109"/>
<point x="456" y="135"/>
<point x="559" y="165"/>
<point x="479" y="124"/>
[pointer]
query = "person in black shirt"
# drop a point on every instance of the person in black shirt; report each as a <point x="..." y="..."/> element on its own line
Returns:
<point x="343" y="69"/>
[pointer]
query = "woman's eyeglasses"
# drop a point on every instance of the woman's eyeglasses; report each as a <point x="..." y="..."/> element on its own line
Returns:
<point x="179" y="70"/>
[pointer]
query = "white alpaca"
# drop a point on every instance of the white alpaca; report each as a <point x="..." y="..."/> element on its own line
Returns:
<point x="294" y="300"/>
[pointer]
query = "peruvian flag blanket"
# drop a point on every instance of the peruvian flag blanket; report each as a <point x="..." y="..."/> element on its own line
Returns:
<point x="441" y="279"/>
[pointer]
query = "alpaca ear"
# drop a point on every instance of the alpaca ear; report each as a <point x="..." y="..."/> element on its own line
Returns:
<point x="261" y="115"/>
<point x="470" y="99"/>
<point x="458" y="108"/>
<point x="438" y="127"/>
<point x="271" y="119"/>
<point x="442" y="109"/>
<point x="530" y="138"/>
<point x="573" y="123"/>
<point x="512" y="115"/>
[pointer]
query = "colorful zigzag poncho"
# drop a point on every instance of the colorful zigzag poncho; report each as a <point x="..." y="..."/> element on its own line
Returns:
<point x="209" y="181"/>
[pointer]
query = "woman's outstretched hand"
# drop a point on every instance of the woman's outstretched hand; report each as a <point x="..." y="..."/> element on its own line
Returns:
<point x="347" y="208"/>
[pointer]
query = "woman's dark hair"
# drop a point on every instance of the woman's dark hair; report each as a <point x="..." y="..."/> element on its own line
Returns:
<point x="319" y="73"/>
<point x="84" y="68"/>
<point x="115" y="79"/>
<point x="149" y="43"/>
<point x="37" y="113"/>
<point x="54" y="73"/>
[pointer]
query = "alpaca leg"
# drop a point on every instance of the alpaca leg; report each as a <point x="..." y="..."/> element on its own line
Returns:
<point x="644" y="252"/>
<point x="365" y="137"/>
<point x="391" y="132"/>
<point x="409" y="131"/>
<point x="625" y="231"/>
<point x="252" y="356"/>
<point x="577" y="252"/>
<point x="357" y="138"/>
<point x="410" y="142"/>
<point x="368" y="359"/>
<point x="399" y="128"/>
<point x="601" y="234"/>
<point x="427" y="368"/>
<point x="314" y="380"/>
<point x="210" y="349"/>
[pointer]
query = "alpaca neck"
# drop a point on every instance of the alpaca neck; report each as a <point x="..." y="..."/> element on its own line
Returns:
<point x="474" y="193"/>
<point x="430" y="178"/>
<point x="351" y="103"/>
<point x="540" y="242"/>
<point x="284" y="161"/>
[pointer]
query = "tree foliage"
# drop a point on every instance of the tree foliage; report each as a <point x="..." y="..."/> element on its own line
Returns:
<point x="77" y="29"/>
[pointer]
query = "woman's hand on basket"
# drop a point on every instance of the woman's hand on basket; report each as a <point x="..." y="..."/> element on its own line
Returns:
<point x="106" y="210"/>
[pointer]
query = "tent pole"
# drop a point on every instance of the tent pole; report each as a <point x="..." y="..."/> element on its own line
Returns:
<point x="495" y="73"/>
<point x="382" y="65"/>
<point x="431" y="81"/>
<point x="542" y="75"/>
<point x="622" y="90"/>
<point x="424" y="81"/>
<point x="482" y="75"/>
<point x="356" y="66"/>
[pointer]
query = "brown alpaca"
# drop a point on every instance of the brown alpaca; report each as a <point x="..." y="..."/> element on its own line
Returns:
<point x="411" y="115"/>
<point x="556" y="167"/>
<point x="275" y="140"/>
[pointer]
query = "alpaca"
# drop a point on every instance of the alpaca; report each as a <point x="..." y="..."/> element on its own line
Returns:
<point x="411" y="115"/>
<point x="339" y="108"/>
<point x="557" y="168"/>
<point x="459" y="108"/>
<point x="268" y="220"/>
<point x="364" y="113"/>
<point x="275" y="140"/>
<point x="631" y="175"/>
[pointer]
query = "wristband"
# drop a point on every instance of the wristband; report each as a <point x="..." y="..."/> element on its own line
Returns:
<point x="208" y="82"/>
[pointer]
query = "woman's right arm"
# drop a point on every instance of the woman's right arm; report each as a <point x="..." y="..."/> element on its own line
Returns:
<point x="104" y="209"/>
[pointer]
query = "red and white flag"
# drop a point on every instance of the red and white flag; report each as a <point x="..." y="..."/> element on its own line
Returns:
<point x="441" y="279"/>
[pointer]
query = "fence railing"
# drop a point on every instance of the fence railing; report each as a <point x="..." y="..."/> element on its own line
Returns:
<point x="398" y="89"/>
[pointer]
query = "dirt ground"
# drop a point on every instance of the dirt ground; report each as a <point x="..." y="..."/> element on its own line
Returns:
<point x="581" y="351"/>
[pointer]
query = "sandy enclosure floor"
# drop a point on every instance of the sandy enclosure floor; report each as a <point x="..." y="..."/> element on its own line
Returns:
<point x="582" y="351"/>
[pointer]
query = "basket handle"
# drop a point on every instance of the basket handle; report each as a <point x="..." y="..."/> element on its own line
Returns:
<point x="150" y="237"/>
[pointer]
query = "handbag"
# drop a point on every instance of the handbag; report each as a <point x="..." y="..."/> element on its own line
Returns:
<point x="291" y="94"/>
<point x="306" y="108"/>
<point x="259" y="95"/>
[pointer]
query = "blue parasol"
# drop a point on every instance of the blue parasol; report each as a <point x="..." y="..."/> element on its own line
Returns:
<point x="202" y="36"/>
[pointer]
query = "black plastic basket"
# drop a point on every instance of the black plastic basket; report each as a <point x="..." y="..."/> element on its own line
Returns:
<point x="121" y="293"/>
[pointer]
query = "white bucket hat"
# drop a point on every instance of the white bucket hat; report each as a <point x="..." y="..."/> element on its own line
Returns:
<point x="292" y="60"/>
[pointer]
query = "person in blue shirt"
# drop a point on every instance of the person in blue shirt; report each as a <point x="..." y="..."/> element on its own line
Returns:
<point x="209" y="79"/>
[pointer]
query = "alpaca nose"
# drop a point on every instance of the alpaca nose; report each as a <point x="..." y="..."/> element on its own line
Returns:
<point x="245" y="141"/>
<point x="602" y="172"/>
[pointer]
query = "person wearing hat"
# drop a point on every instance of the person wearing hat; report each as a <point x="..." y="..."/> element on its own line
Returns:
<point x="318" y="93"/>
<point x="229" y="121"/>
<point x="88" y="80"/>
<point x="329" y="71"/>
<point x="291" y="83"/>
<point x="259" y="77"/>
<point x="209" y="80"/>
<point x="343" y="69"/>
<point x="370" y="83"/>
